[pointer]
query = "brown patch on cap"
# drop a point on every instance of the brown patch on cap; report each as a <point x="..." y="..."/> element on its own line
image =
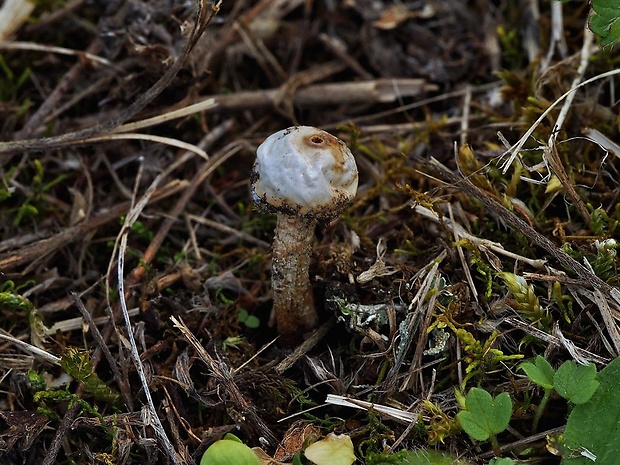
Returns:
<point x="324" y="140"/>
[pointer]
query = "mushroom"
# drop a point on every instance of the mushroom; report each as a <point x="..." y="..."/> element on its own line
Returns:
<point x="305" y="175"/>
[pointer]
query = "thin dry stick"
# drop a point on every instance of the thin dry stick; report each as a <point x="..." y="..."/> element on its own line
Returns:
<point x="586" y="54"/>
<point x="551" y="339"/>
<point x="519" y="444"/>
<point x="228" y="230"/>
<point x="428" y="311"/>
<point x="13" y="45"/>
<point x="72" y="324"/>
<point x="34" y="350"/>
<point x="130" y="219"/>
<point x="557" y="40"/>
<point x="459" y="250"/>
<point x="302" y="349"/>
<point x="482" y="244"/>
<point x="203" y="105"/>
<point x="465" y="117"/>
<point x="418" y="104"/>
<point x="61" y="432"/>
<point x="376" y="91"/>
<point x="599" y="299"/>
<point x="401" y="416"/>
<point x="550" y="153"/>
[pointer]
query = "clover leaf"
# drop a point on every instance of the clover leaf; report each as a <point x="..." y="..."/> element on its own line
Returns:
<point x="485" y="416"/>
<point x="576" y="383"/>
<point x="540" y="372"/>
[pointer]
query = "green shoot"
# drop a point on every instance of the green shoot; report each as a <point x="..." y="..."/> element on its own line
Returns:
<point x="540" y="372"/>
<point x="76" y="363"/>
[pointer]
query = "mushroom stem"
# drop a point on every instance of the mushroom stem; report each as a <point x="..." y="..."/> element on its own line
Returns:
<point x="293" y="302"/>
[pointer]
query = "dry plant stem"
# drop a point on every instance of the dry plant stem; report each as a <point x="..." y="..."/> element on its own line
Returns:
<point x="550" y="152"/>
<point x="29" y="348"/>
<point x="62" y="431"/>
<point x="522" y="442"/>
<point x="375" y="91"/>
<point x="302" y="349"/>
<point x="155" y="422"/>
<point x="553" y="340"/>
<point x="122" y="383"/>
<point x="293" y="303"/>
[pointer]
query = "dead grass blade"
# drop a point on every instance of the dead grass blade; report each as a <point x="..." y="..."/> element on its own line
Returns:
<point x="54" y="49"/>
<point x="149" y="410"/>
<point x="29" y="348"/>
<point x="554" y="340"/>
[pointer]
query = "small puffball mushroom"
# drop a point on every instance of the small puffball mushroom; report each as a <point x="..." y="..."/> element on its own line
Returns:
<point x="305" y="175"/>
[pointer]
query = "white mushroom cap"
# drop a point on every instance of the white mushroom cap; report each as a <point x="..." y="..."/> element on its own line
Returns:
<point x="304" y="171"/>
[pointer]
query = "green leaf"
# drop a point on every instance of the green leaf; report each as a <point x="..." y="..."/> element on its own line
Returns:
<point x="332" y="450"/>
<point x="540" y="372"/>
<point x="605" y="21"/>
<point x="594" y="427"/>
<point x="229" y="451"/>
<point x="485" y="415"/>
<point x="252" y="322"/>
<point x="501" y="461"/>
<point x="576" y="383"/>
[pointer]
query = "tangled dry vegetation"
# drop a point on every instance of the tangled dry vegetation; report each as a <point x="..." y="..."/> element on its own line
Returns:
<point x="129" y="129"/>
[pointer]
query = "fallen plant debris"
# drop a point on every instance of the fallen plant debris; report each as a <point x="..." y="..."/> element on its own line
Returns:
<point x="467" y="300"/>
